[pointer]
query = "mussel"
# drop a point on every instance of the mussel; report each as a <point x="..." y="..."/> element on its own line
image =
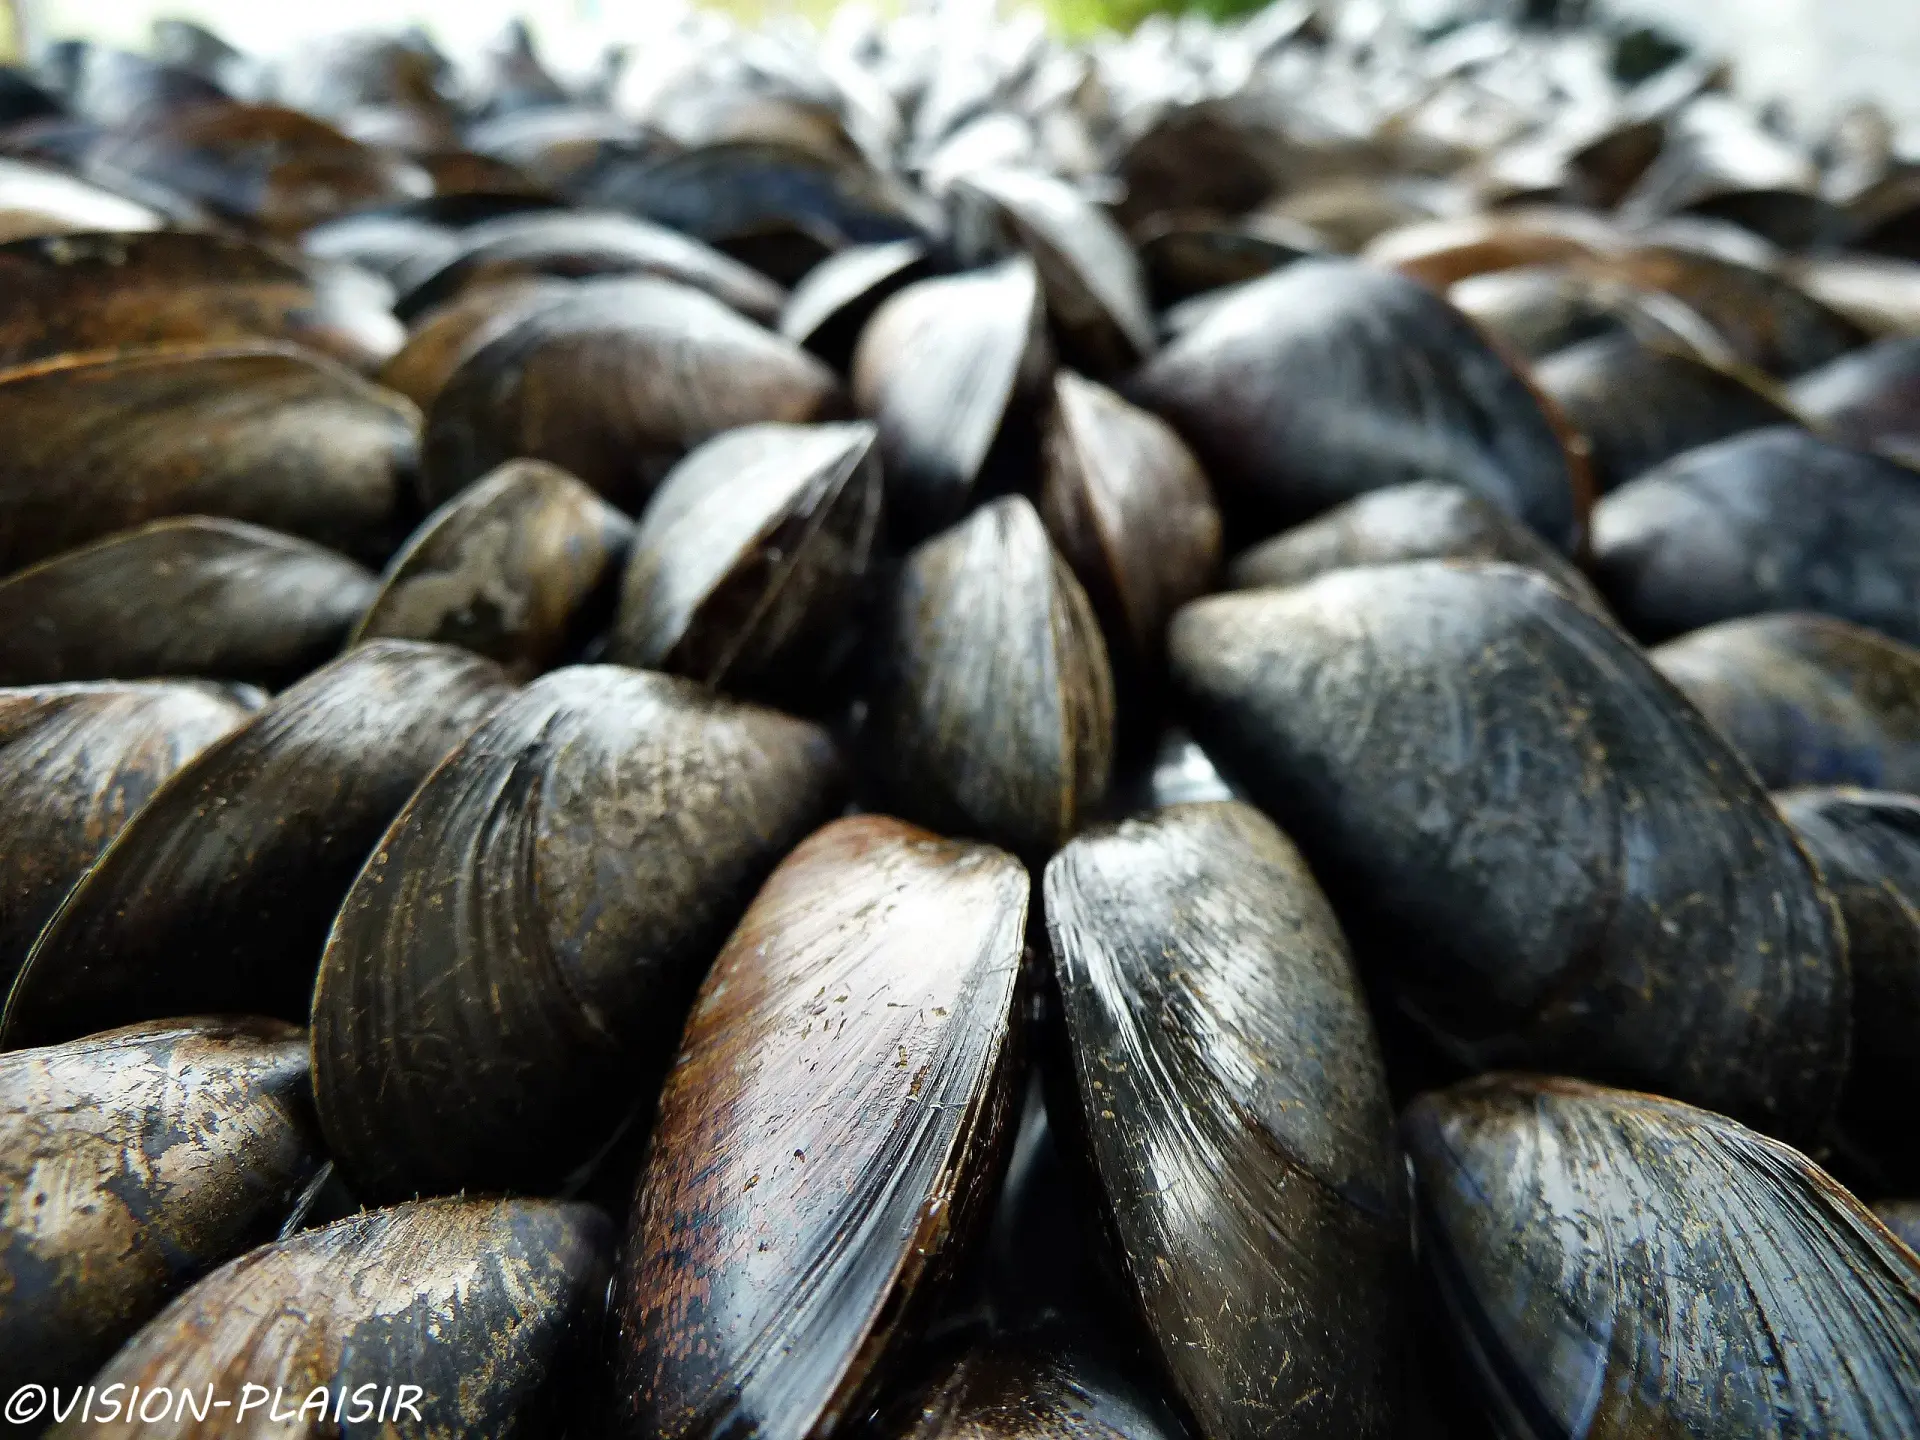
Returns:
<point x="1616" y="1264"/>
<point x="1637" y="403"/>
<point x="38" y="200"/>
<point x="1021" y="1387"/>
<point x="1187" y="255"/>
<point x="951" y="370"/>
<point x="749" y="558"/>
<point x="260" y="433"/>
<point x="1866" y="844"/>
<point x="1541" y="852"/>
<point x="1775" y="519"/>
<point x="1125" y="502"/>
<point x="1233" y="1103"/>
<point x="830" y="1138"/>
<point x="1806" y="699"/>
<point x="1425" y="520"/>
<point x="519" y="567"/>
<point x="614" y="384"/>
<point x="130" y="1164"/>
<point x="217" y="895"/>
<point x="186" y="595"/>
<point x="506" y="977"/>
<point x="1870" y="398"/>
<point x="1440" y="253"/>
<point x="992" y="712"/>
<point x="69" y="293"/>
<point x="573" y="245"/>
<point x="445" y="338"/>
<point x="76" y="763"/>
<point x="438" y="1318"/>
<point x="1096" y="292"/>
<point x="1330" y="379"/>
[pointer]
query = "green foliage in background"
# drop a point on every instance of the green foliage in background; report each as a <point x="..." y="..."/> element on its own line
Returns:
<point x="1084" y="17"/>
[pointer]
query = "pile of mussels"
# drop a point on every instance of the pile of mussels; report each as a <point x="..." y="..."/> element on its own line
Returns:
<point x="593" y="822"/>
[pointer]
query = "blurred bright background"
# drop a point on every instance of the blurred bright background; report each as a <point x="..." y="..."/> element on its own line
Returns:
<point x="1815" y="55"/>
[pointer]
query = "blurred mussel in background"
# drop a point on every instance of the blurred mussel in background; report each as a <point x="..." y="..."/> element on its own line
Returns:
<point x="909" y="729"/>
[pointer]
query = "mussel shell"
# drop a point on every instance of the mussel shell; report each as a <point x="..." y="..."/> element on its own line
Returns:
<point x="1616" y="1264"/>
<point x="774" y="205"/>
<point x="389" y="245"/>
<point x="750" y="557"/>
<point x="1440" y="253"/>
<point x="1542" y="853"/>
<point x="445" y="338"/>
<point x="259" y="433"/>
<point x="266" y="166"/>
<point x="1771" y="520"/>
<point x="1235" y="1110"/>
<point x="186" y="595"/>
<point x="993" y="710"/>
<point x="506" y="978"/>
<point x="831" y="306"/>
<point x="1536" y="310"/>
<point x="218" y="894"/>
<point x="830" y="1138"/>
<point x="1637" y="404"/>
<point x="946" y="369"/>
<point x="1718" y="163"/>
<point x="69" y="293"/>
<point x="488" y="1306"/>
<point x="1806" y="699"/>
<point x="76" y="763"/>
<point x="1095" y="289"/>
<point x="1201" y="157"/>
<point x="131" y="1163"/>
<point x="1330" y="379"/>
<point x="1866" y="845"/>
<point x="1902" y="1217"/>
<point x="1880" y="295"/>
<point x="614" y="384"/>
<point x="37" y="200"/>
<point x="1125" y="501"/>
<point x="573" y="245"/>
<point x="1021" y="1387"/>
<point x="1426" y="520"/>
<point x="1186" y="256"/>
<point x="1870" y="398"/>
<point x="1767" y="320"/>
<point x="519" y="567"/>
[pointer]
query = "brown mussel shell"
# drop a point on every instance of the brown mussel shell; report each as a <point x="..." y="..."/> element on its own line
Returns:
<point x="1866" y="845"/>
<point x="1542" y="853"/>
<point x="260" y="433"/>
<point x="947" y="369"/>
<point x="1620" y="1265"/>
<point x="1426" y="520"/>
<point x="1773" y="519"/>
<point x="1440" y="253"/>
<point x="1806" y="699"/>
<point x="76" y="763"/>
<point x="573" y="245"/>
<point x="831" y="306"/>
<point x="1095" y="289"/>
<point x="1020" y="1387"/>
<point x="1538" y="310"/>
<point x="218" y="894"/>
<point x="993" y="711"/>
<point x="831" y="1136"/>
<point x="443" y="339"/>
<point x="1638" y="403"/>
<point x="520" y="567"/>
<point x="73" y="293"/>
<point x="1235" y="1110"/>
<point x="186" y="595"/>
<point x="1870" y="398"/>
<point x="486" y="1306"/>
<point x="131" y="1163"/>
<point x="750" y="557"/>
<point x="506" y="978"/>
<point x="1125" y="502"/>
<point x="1330" y="379"/>
<point x="614" y="384"/>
